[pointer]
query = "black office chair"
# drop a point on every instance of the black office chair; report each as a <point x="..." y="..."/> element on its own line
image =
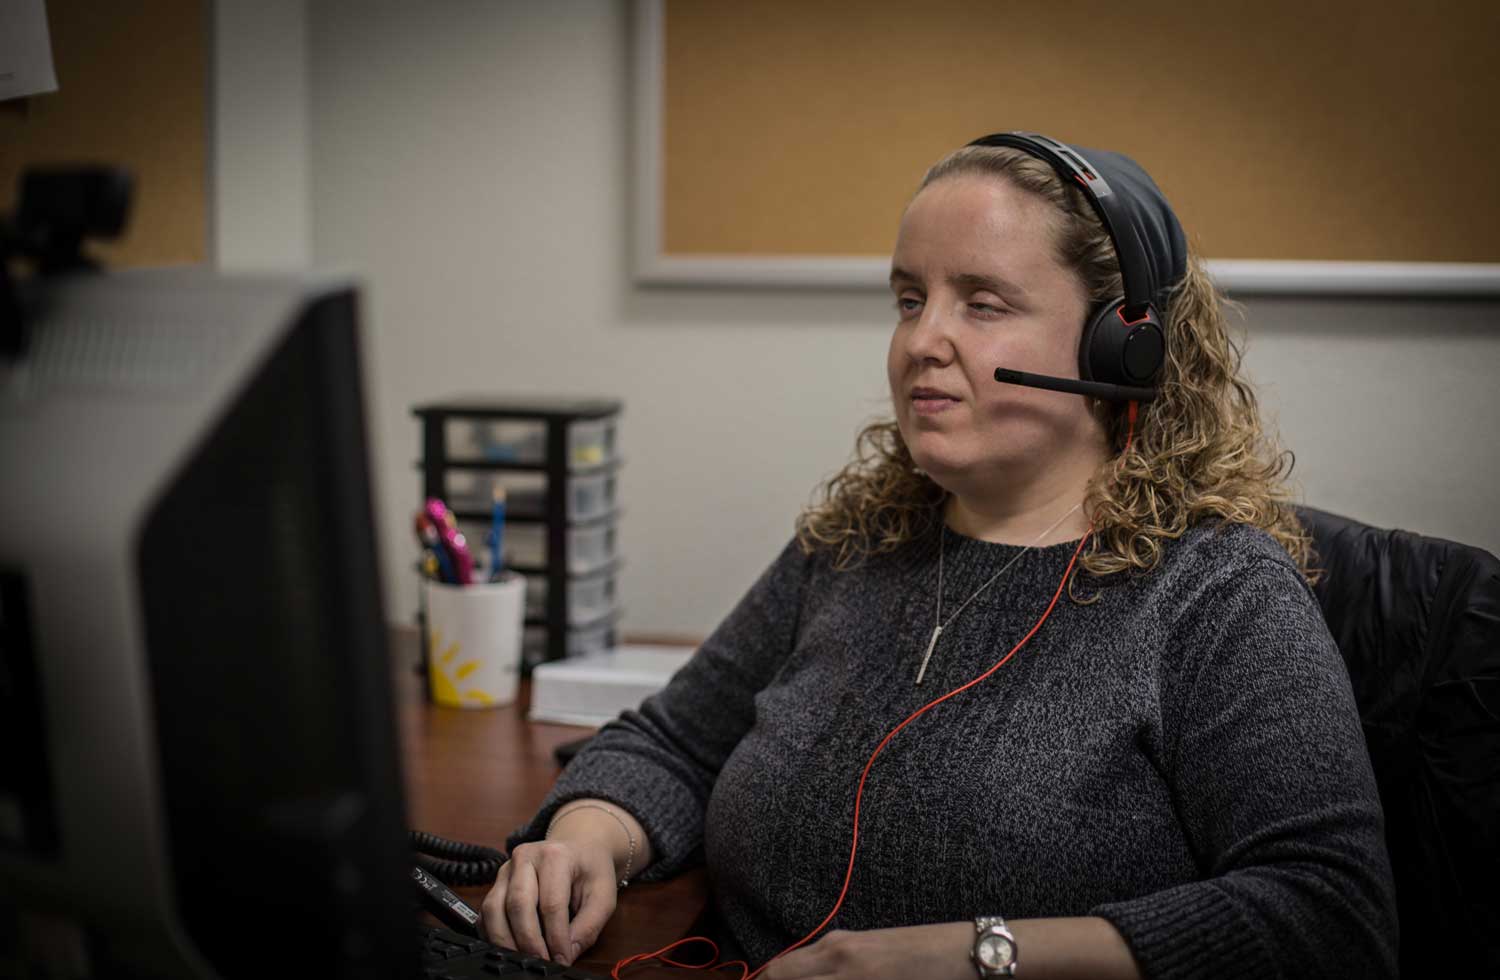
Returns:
<point x="1417" y="620"/>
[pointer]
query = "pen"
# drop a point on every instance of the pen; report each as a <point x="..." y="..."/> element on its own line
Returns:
<point x="497" y="533"/>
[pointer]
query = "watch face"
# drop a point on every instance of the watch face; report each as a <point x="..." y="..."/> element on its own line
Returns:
<point x="995" y="952"/>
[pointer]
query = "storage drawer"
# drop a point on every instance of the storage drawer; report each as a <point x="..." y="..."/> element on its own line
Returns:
<point x="590" y="495"/>
<point x="473" y="490"/>
<point x="590" y="548"/>
<point x="591" y="442"/>
<point x="588" y="598"/>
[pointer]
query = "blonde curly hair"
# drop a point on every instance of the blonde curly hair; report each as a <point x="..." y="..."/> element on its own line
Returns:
<point x="1199" y="451"/>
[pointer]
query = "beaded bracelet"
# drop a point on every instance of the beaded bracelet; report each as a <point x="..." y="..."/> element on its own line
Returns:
<point x="630" y="858"/>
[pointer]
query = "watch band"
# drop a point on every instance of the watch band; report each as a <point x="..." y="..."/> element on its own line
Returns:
<point x="995" y="952"/>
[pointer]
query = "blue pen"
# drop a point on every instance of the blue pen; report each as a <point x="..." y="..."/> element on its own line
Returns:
<point x="497" y="533"/>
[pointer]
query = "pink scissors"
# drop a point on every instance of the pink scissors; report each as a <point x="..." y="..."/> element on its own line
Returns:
<point x="452" y="541"/>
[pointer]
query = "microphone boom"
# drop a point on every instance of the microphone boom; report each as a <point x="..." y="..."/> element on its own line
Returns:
<point x="1074" y="386"/>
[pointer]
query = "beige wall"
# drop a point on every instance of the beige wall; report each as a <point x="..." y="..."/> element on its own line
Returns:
<point x="470" y="161"/>
<point x="261" y="188"/>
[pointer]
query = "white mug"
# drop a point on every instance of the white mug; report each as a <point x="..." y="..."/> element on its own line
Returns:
<point x="474" y="641"/>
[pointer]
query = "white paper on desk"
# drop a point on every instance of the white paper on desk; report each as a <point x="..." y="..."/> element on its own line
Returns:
<point x="594" y="689"/>
<point x="25" y="50"/>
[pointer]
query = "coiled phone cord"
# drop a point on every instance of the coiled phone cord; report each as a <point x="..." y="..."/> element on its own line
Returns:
<point x="455" y="862"/>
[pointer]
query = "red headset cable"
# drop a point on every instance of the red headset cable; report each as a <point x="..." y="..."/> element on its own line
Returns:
<point x="1133" y="412"/>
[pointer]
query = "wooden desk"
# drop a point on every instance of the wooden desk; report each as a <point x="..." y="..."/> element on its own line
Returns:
<point x="477" y="774"/>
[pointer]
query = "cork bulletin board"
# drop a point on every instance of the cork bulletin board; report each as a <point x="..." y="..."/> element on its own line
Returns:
<point x="778" y="141"/>
<point x="133" y="87"/>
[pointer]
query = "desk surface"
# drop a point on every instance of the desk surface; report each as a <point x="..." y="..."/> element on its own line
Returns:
<point x="476" y="774"/>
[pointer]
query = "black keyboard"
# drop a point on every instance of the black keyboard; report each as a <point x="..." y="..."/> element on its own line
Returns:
<point x="446" y="954"/>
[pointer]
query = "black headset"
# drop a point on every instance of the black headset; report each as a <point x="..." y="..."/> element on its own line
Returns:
<point x="1123" y="345"/>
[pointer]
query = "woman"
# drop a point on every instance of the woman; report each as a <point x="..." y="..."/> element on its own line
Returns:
<point x="1165" y="774"/>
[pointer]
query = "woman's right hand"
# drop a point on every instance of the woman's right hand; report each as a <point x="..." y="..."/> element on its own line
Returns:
<point x="552" y="898"/>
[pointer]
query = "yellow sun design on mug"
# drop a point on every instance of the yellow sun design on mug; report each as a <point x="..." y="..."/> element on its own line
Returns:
<point x="445" y="687"/>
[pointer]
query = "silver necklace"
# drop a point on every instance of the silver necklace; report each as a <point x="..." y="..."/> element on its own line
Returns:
<point x="939" y="625"/>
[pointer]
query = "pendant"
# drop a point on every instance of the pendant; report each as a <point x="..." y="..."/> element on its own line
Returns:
<point x="937" y="631"/>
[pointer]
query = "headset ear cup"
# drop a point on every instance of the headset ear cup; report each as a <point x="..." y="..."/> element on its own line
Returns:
<point x="1114" y="351"/>
<point x="1145" y="350"/>
<point x="1088" y="357"/>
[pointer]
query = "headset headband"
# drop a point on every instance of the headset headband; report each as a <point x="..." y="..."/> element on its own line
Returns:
<point x="1070" y="164"/>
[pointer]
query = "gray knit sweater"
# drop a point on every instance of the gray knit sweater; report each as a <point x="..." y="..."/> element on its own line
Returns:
<point x="1182" y="757"/>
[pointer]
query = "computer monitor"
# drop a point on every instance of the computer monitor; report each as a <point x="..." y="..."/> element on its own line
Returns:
<point x="199" y="770"/>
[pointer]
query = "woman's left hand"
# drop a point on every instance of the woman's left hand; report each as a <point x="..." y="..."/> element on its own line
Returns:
<point x="935" y="952"/>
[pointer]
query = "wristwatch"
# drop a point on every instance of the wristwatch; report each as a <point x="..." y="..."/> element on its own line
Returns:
<point x="994" y="952"/>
